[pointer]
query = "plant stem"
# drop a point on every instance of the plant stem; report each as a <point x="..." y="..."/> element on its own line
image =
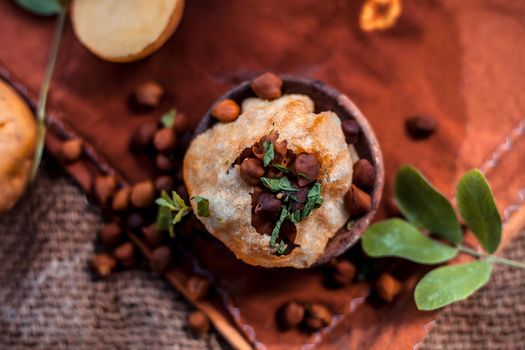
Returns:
<point x="492" y="258"/>
<point x="44" y="89"/>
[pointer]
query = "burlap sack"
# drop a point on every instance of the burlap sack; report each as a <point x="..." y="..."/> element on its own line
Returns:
<point x="49" y="299"/>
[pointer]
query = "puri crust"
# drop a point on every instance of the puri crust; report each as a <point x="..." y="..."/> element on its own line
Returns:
<point x="208" y="172"/>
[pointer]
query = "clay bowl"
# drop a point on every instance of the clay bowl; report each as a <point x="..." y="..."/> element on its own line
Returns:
<point x="325" y="99"/>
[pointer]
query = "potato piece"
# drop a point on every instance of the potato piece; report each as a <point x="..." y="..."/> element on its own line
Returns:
<point x="18" y="133"/>
<point x="124" y="31"/>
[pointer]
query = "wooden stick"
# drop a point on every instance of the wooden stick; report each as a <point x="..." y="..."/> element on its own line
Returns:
<point x="178" y="280"/>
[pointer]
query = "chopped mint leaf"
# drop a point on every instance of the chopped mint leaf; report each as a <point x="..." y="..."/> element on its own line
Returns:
<point x="203" y="206"/>
<point x="282" y="168"/>
<point x="278" y="184"/>
<point x="313" y="201"/>
<point x="269" y="153"/>
<point x="281" y="248"/>
<point x="277" y="228"/>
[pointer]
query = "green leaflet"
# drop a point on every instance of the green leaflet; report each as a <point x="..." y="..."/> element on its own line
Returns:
<point x="398" y="238"/>
<point x="41" y="7"/>
<point x="448" y="284"/>
<point x="478" y="208"/>
<point x="425" y="206"/>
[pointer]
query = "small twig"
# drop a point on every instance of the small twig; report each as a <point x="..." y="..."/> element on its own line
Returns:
<point x="42" y="98"/>
<point x="492" y="258"/>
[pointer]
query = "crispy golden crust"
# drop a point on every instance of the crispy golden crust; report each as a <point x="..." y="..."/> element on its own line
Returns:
<point x="208" y="173"/>
<point x="17" y="145"/>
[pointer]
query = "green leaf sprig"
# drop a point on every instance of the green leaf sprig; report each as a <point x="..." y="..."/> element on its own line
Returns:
<point x="424" y="207"/>
<point x="171" y="211"/>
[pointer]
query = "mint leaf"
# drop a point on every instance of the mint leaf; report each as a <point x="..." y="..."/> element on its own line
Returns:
<point x="313" y="201"/>
<point x="398" y="238"/>
<point x="425" y="206"/>
<point x="168" y="119"/>
<point x="295" y="217"/>
<point x="282" y="168"/>
<point x="448" y="284"/>
<point x="278" y="184"/>
<point x="41" y="7"/>
<point x="269" y="153"/>
<point x="203" y="206"/>
<point x="478" y="208"/>
<point x="281" y="248"/>
<point x="277" y="227"/>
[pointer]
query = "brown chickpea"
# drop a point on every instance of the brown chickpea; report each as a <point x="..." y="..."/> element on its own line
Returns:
<point x="268" y="206"/>
<point x="165" y="140"/>
<point x="226" y="111"/>
<point x="351" y="131"/>
<point x="142" y="194"/>
<point x="251" y="171"/>
<point x="267" y="86"/>
<point x="307" y="167"/>
<point x="364" y="175"/>
<point x="357" y="201"/>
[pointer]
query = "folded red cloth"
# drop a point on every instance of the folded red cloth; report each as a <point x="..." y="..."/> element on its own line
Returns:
<point x="459" y="62"/>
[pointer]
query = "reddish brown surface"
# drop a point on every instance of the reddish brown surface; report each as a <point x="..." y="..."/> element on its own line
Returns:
<point x="460" y="61"/>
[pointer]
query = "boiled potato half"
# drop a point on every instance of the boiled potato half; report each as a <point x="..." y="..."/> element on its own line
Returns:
<point x="125" y="30"/>
<point x="18" y="133"/>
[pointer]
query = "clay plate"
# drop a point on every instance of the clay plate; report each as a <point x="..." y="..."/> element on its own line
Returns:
<point x="325" y="99"/>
